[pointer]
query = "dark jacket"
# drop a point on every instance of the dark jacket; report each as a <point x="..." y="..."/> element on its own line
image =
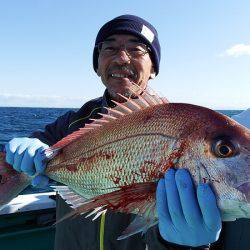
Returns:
<point x="81" y="233"/>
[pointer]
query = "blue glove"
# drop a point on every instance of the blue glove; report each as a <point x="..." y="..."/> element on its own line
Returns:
<point x="26" y="155"/>
<point x="186" y="218"/>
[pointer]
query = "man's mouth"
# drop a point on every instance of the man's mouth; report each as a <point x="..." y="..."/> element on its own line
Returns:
<point x="123" y="73"/>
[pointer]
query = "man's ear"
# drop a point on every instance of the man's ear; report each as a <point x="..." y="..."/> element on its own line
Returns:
<point x="152" y="73"/>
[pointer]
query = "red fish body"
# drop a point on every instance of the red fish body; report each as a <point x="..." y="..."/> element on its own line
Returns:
<point x="116" y="161"/>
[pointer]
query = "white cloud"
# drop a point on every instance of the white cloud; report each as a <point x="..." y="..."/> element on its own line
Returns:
<point x="237" y="50"/>
<point x="11" y="100"/>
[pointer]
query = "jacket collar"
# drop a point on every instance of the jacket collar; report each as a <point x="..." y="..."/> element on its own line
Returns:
<point x="106" y="100"/>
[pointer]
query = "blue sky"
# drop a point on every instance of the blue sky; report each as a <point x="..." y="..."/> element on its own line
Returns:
<point x="46" y="50"/>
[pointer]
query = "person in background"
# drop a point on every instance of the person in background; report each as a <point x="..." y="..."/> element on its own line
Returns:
<point x="126" y="53"/>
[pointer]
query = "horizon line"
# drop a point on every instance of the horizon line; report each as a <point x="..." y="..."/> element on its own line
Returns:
<point x="47" y="107"/>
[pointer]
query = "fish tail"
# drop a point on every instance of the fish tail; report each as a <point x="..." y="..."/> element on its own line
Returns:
<point x="11" y="181"/>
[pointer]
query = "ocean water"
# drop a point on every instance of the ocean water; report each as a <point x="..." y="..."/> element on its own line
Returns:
<point x="19" y="122"/>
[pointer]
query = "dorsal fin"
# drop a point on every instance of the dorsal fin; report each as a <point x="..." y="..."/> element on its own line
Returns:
<point x="115" y="112"/>
<point x="149" y="98"/>
<point x="153" y="94"/>
<point x="107" y="116"/>
<point x="133" y="104"/>
<point x="123" y="107"/>
<point x="99" y="121"/>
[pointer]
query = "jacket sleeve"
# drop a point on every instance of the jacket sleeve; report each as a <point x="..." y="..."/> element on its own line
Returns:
<point x="55" y="131"/>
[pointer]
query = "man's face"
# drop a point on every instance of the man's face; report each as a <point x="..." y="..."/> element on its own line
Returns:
<point x="120" y="71"/>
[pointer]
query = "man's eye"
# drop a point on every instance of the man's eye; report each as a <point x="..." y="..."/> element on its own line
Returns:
<point x="136" y="49"/>
<point x="109" y="48"/>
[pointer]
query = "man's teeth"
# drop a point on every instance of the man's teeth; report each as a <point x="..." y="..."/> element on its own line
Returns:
<point x="130" y="73"/>
<point x="119" y="75"/>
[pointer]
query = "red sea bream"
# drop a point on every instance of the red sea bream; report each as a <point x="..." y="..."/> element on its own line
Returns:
<point x="115" y="162"/>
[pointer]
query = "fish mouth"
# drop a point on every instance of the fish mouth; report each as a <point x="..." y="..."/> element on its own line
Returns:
<point x="245" y="189"/>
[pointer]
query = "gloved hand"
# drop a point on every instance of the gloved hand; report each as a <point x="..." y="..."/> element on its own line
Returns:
<point x="186" y="218"/>
<point x="26" y="155"/>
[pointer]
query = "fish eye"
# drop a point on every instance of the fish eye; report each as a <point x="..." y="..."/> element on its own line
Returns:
<point x="224" y="149"/>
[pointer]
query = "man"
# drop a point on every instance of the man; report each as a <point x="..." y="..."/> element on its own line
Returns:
<point x="126" y="53"/>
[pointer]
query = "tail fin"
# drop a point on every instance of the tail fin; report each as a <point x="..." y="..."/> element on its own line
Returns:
<point x="11" y="181"/>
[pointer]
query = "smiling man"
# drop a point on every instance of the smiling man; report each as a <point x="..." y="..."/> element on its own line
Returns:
<point x="123" y="61"/>
<point x="126" y="54"/>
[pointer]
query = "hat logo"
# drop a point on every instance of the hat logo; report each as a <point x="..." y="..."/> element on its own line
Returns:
<point x="147" y="33"/>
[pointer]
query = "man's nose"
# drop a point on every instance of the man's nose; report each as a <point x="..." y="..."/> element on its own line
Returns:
<point x="121" y="56"/>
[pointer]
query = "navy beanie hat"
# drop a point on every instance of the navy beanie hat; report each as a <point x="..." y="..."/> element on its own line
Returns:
<point x="134" y="25"/>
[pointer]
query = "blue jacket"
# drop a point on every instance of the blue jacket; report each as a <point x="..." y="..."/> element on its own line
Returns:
<point x="81" y="233"/>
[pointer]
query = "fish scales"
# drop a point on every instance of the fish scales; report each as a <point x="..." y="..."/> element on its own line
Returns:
<point x="111" y="157"/>
<point x="122" y="162"/>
